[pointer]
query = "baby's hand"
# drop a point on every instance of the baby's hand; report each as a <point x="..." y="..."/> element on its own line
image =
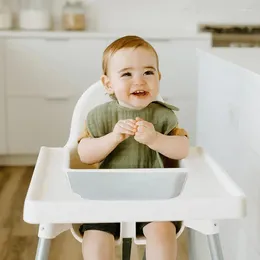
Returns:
<point x="124" y="128"/>
<point x="145" y="133"/>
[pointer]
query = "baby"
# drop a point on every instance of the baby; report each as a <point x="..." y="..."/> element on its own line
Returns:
<point x="134" y="130"/>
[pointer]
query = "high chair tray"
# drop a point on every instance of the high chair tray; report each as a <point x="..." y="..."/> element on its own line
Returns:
<point x="128" y="184"/>
<point x="209" y="193"/>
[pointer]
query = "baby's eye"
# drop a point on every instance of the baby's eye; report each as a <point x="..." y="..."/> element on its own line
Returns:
<point x="127" y="74"/>
<point x="149" y="72"/>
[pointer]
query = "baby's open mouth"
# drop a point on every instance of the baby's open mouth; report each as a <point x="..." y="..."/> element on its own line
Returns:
<point x="140" y="93"/>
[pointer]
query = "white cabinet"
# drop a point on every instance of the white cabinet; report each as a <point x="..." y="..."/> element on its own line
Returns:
<point x="178" y="66"/>
<point x="45" y="78"/>
<point x="52" y="67"/>
<point x="36" y="122"/>
<point x="2" y="101"/>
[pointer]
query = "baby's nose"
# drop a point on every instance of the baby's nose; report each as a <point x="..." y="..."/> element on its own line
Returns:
<point x="139" y="80"/>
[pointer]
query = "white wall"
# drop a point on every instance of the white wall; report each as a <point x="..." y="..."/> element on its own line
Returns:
<point x="228" y="128"/>
<point x="165" y="15"/>
<point x="2" y="102"/>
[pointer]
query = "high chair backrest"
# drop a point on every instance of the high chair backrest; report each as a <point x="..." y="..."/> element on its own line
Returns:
<point x="92" y="97"/>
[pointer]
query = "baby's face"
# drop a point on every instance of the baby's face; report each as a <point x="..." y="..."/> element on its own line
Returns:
<point x="133" y="77"/>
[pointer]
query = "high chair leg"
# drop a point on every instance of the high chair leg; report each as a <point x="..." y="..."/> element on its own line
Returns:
<point x="215" y="247"/>
<point x="43" y="249"/>
<point x="127" y="243"/>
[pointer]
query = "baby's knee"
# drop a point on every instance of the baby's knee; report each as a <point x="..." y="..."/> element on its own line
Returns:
<point x="160" y="231"/>
<point x="100" y="237"/>
<point x="95" y="242"/>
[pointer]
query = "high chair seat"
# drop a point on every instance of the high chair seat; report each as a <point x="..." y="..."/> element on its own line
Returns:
<point x="208" y="195"/>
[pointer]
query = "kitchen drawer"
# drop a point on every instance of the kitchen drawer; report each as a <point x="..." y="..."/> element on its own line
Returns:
<point x="36" y="122"/>
<point x="52" y="67"/>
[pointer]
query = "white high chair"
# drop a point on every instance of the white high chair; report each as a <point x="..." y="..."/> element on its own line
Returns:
<point x="208" y="195"/>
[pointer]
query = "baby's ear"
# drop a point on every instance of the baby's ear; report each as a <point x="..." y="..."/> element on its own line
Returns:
<point x="106" y="83"/>
<point x="160" y="75"/>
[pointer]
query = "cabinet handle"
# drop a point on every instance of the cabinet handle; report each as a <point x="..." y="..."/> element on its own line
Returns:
<point x="57" y="39"/>
<point x="57" y="98"/>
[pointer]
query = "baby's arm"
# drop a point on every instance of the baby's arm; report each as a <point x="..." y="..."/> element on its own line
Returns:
<point x="175" y="146"/>
<point x="94" y="150"/>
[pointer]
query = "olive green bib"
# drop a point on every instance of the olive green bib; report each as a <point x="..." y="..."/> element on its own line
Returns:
<point x="131" y="154"/>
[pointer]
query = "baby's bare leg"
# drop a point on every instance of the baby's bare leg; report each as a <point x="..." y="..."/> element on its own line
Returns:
<point x="161" y="241"/>
<point x="98" y="245"/>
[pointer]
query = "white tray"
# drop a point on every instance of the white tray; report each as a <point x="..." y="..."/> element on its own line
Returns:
<point x="208" y="194"/>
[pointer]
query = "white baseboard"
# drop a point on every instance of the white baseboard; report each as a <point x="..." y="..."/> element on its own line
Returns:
<point x="18" y="160"/>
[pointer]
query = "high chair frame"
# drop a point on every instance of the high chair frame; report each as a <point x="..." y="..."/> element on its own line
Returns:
<point x="200" y="205"/>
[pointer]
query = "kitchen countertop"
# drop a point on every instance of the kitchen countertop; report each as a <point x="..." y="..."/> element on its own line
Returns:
<point x="99" y="35"/>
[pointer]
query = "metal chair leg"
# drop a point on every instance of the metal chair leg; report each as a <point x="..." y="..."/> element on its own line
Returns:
<point x="43" y="249"/>
<point x="215" y="247"/>
<point x="127" y="244"/>
<point x="144" y="257"/>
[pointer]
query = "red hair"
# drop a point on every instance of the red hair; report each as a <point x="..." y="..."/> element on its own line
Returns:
<point x="130" y="41"/>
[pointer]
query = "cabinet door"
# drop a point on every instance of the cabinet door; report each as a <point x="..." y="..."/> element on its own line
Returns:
<point x="178" y="66"/>
<point x="44" y="80"/>
<point x="2" y="101"/>
<point x="85" y="63"/>
<point x="52" y="67"/>
<point x="164" y="50"/>
<point x="36" y="122"/>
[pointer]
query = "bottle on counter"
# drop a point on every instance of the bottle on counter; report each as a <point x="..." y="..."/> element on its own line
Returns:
<point x="35" y="15"/>
<point x="74" y="16"/>
<point x="6" y="17"/>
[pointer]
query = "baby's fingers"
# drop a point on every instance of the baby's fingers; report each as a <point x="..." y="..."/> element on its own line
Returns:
<point x="130" y="122"/>
<point x="141" y="129"/>
<point x="127" y="124"/>
<point x="139" y="119"/>
<point x="126" y="131"/>
<point x="126" y="128"/>
<point x="144" y="123"/>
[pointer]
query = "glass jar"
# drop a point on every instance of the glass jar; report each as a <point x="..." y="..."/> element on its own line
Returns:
<point x="6" y="18"/>
<point x="74" y="16"/>
<point x="35" y="15"/>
